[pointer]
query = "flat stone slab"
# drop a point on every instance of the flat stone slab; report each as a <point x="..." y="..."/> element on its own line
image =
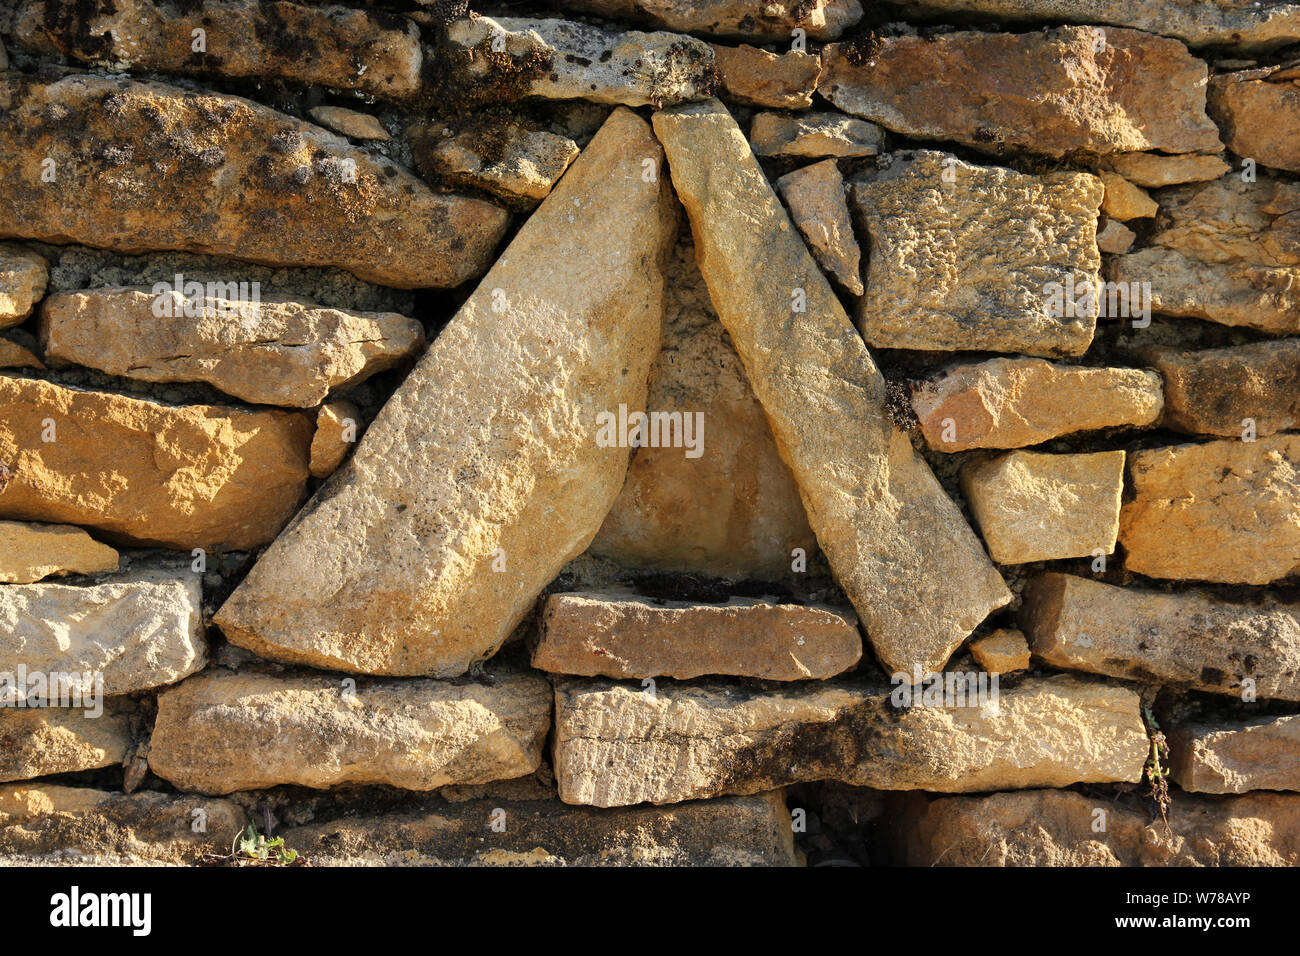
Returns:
<point x="756" y="77"/>
<point x="48" y="740"/>
<point x="1231" y="391"/>
<point x="814" y="135"/>
<point x="30" y="552"/>
<point x="819" y="19"/>
<point x="1258" y="754"/>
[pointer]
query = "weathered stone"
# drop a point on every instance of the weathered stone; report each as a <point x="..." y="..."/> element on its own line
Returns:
<point x="54" y="825"/>
<point x="1227" y="511"/>
<point x="1115" y="237"/>
<point x="277" y="351"/>
<point x="143" y="166"/>
<point x="617" y="745"/>
<point x="731" y="831"/>
<point x="1123" y="200"/>
<point x="619" y="634"/>
<point x="1054" y="91"/>
<point x="564" y="60"/>
<point x="15" y="354"/>
<point x="1216" y="391"/>
<point x="338" y="425"/>
<point x="1033" y="507"/>
<point x="1185" y="639"/>
<point x="483" y="475"/>
<point x="503" y="157"/>
<point x="1010" y="402"/>
<point x="815" y="198"/>
<point x="350" y="123"/>
<point x="139" y="630"/>
<point x="1228" y="220"/>
<point x="1058" y="828"/>
<point x="194" y="476"/>
<point x="813" y="135"/>
<point x="1258" y="754"/>
<point x="1154" y="171"/>
<point x="755" y="77"/>
<point x="1002" y="652"/>
<point x="48" y="740"/>
<point x="734" y="511"/>
<point x="315" y="45"/>
<point x="23" y="276"/>
<point x="220" y="732"/>
<point x="30" y="552"/>
<point x="949" y="269"/>
<point x="1259" y="119"/>
<point x="884" y="522"/>
<point x="819" y="19"/>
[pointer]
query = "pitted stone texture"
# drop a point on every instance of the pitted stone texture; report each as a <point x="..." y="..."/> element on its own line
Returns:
<point x="1224" y="391"/>
<point x="814" y="135"/>
<point x="1228" y="220"/>
<point x="30" y="552"/>
<point x="49" y="740"/>
<point x="819" y="19"/>
<point x="23" y="277"/>
<point x="756" y="77"/>
<point x="1262" y="753"/>
<point x="815" y="197"/>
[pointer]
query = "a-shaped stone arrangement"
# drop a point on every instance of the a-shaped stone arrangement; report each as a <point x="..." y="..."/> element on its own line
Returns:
<point x="585" y="440"/>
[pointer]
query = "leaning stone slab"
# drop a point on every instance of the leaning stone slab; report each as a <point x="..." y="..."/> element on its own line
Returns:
<point x="730" y="831"/>
<point x="819" y="19"/>
<point x="242" y="39"/>
<point x="276" y="352"/>
<point x="1229" y="391"/>
<point x="949" y="269"/>
<point x="756" y="77"/>
<point x="220" y="732"/>
<point x="47" y="740"/>
<point x="617" y="745"/>
<point x="30" y="552"/>
<point x="1258" y="754"/>
<point x="884" y="522"/>
<point x="815" y="197"/>
<point x="23" y="277"/>
<point x="1049" y="91"/>
<point x="337" y="426"/>
<point x="204" y="172"/>
<point x="1014" y="402"/>
<point x="1260" y="118"/>
<point x="1186" y="639"/>
<point x="485" y="472"/>
<point x="1225" y="511"/>
<point x="138" y="630"/>
<point x="620" y="634"/>
<point x="193" y="476"/>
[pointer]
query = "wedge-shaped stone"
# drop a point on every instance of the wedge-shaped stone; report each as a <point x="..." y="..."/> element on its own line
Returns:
<point x="1115" y="237"/>
<point x="815" y="197"/>
<point x="1225" y="511"/>
<point x="138" y="630"/>
<point x="819" y="19"/>
<point x="143" y="166"/>
<point x="49" y="824"/>
<point x="755" y="77"/>
<point x="1258" y="754"/>
<point x="1010" y="403"/>
<point x="731" y="831"/>
<point x="1231" y="391"/>
<point x="1190" y="640"/>
<point x="950" y="269"/>
<point x="1033" y="507"/>
<point x="883" y="520"/>
<point x="220" y="732"/>
<point x="321" y="45"/>
<point x="30" y="552"/>
<point x="1053" y="91"/>
<point x="1153" y="170"/>
<point x="814" y="135"/>
<point x="48" y="740"/>
<point x="15" y="355"/>
<point x="349" y="123"/>
<point x="1058" y="828"/>
<point x="483" y="475"/>
<point x="23" y="277"/>
<point x="620" y="634"/>
<point x="193" y="476"/>
<point x="519" y="164"/>
<point x="338" y="424"/>
<point x="1125" y="201"/>
<point x="1259" y="118"/>
<point x="617" y="745"/>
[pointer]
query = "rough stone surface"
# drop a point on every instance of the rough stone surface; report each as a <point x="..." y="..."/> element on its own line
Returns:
<point x="350" y="123"/>
<point x="1050" y="91"/>
<point x="1115" y="237"/>
<point x="194" y="476"/>
<point x="1225" y="511"/>
<point x="30" y="552"/>
<point x="317" y="45"/>
<point x="1259" y="119"/>
<point x="1154" y="171"/>
<point x="620" y="634"/>
<point x="756" y="77"/>
<point x="204" y="172"/>
<point x="14" y="355"/>
<point x="23" y="277"/>
<point x="617" y="745"/>
<point x="140" y="630"/>
<point x="487" y="456"/>
<point x="1186" y="639"/>
<point x="1214" y="391"/>
<point x="949" y="269"/>
<point x="220" y="732"/>
<point x="1258" y="754"/>
<point x="1228" y="220"/>
<point x="1033" y="507"/>
<point x="278" y="352"/>
<point x="34" y="743"/>
<point x="731" y="831"/>
<point x="1011" y="402"/>
<point x="338" y="425"/>
<point x="884" y="522"/>
<point x="820" y="19"/>
<point x="510" y="160"/>
<point x="815" y="197"/>
<point x="813" y="136"/>
<point x="1002" y="652"/>
<point x="1125" y="201"/>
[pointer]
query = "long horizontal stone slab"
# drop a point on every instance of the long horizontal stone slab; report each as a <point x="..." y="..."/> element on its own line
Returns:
<point x="1229" y="220"/>
<point x="818" y="19"/>
<point x="30" y="552"/>
<point x="140" y="472"/>
<point x="617" y="745"/>
<point x="35" y="742"/>
<point x="220" y="732"/>
<point x="620" y="634"/>
<point x="1231" y="392"/>
<point x="139" y="167"/>
<point x="1258" y="754"/>
<point x="1186" y="639"/>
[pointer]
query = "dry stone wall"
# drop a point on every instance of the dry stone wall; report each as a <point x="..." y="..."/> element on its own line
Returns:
<point x="623" y="433"/>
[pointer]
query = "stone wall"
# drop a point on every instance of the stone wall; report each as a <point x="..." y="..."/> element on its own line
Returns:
<point x="613" y="432"/>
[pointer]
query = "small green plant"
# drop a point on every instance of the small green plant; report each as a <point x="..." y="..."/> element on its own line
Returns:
<point x="1156" y="772"/>
<point x="252" y="848"/>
